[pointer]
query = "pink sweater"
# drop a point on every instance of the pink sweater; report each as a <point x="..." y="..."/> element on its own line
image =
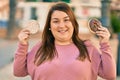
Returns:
<point x="65" y="66"/>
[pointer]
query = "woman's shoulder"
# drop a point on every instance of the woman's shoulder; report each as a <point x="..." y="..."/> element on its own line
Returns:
<point x="93" y="50"/>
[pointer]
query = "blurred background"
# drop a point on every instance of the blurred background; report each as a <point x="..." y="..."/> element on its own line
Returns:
<point x="15" y="13"/>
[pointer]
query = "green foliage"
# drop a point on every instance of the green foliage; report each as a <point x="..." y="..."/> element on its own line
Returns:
<point x="115" y="22"/>
<point x="31" y="0"/>
<point x="68" y="1"/>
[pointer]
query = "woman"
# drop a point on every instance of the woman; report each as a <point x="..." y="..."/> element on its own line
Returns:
<point x="62" y="55"/>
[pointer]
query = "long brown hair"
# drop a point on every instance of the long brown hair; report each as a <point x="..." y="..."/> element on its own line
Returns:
<point x="47" y="49"/>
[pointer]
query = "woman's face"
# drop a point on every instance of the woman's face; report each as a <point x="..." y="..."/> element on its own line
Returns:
<point x="61" y="27"/>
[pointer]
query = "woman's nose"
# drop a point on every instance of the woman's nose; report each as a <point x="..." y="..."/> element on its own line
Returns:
<point x="61" y="24"/>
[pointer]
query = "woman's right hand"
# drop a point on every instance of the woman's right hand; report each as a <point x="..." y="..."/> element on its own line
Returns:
<point x="23" y="36"/>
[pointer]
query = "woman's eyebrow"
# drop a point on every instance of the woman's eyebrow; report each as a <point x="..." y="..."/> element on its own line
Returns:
<point x="66" y="17"/>
<point x="54" y="18"/>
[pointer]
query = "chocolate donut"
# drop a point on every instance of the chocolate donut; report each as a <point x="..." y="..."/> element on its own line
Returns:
<point x="93" y="24"/>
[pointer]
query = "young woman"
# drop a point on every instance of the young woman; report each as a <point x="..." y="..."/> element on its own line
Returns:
<point x="62" y="55"/>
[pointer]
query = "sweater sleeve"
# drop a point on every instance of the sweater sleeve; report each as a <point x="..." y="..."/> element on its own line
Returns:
<point x="20" y="61"/>
<point x="107" y="67"/>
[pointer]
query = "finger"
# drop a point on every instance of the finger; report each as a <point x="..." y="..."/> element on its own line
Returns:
<point x="26" y="37"/>
<point x="103" y="29"/>
<point x="26" y="31"/>
<point x="103" y="34"/>
<point x="23" y="35"/>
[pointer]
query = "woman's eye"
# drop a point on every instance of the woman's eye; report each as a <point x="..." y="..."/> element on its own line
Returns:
<point x="55" y="21"/>
<point x="66" y="20"/>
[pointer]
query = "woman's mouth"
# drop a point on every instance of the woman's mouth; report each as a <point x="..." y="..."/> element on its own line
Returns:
<point x="62" y="31"/>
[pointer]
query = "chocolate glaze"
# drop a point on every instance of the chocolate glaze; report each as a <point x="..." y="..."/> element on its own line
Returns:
<point x="94" y="24"/>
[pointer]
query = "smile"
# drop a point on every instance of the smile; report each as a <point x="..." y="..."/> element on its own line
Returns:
<point x="62" y="31"/>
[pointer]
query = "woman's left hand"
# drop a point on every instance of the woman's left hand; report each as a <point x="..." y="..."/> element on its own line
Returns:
<point x="104" y="34"/>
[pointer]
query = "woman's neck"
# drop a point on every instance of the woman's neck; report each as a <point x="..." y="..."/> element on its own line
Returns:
<point x="63" y="42"/>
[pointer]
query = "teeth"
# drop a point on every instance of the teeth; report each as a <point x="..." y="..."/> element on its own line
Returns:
<point x="62" y="31"/>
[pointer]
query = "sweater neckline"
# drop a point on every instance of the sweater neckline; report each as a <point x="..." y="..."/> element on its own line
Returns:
<point x="65" y="45"/>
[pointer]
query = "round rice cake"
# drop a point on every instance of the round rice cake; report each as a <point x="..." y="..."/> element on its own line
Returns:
<point x="33" y="26"/>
